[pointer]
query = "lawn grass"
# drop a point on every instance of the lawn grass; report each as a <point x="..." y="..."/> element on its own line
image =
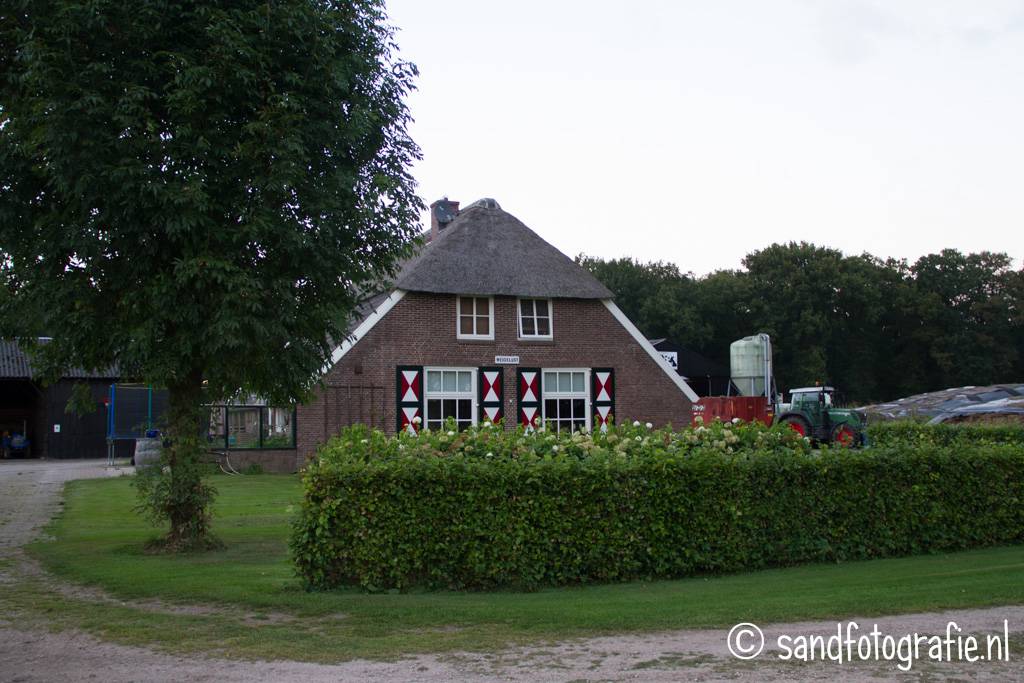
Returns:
<point x="264" y="612"/>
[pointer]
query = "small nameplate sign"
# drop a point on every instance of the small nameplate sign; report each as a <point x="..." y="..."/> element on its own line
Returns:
<point x="506" y="360"/>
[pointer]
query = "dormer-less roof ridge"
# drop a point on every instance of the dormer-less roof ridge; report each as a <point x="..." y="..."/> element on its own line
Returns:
<point x="487" y="250"/>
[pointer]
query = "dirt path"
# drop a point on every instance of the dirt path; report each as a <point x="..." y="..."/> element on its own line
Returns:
<point x="30" y="495"/>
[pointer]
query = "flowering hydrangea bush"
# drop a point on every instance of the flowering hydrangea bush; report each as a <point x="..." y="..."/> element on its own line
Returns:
<point x="629" y="440"/>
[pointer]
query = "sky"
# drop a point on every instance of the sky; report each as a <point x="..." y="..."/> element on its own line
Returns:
<point x="697" y="132"/>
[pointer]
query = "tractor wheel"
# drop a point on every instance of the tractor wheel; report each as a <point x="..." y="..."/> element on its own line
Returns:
<point x="797" y="423"/>
<point x="845" y="436"/>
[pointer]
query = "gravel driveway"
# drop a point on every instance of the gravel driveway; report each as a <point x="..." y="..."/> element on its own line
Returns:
<point x="30" y="494"/>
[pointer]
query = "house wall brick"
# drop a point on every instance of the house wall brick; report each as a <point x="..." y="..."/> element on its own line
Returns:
<point x="280" y="461"/>
<point x="421" y="330"/>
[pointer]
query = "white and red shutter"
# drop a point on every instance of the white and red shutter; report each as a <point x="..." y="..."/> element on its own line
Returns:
<point x="602" y="396"/>
<point x="409" y="396"/>
<point x="528" y="394"/>
<point x="492" y="394"/>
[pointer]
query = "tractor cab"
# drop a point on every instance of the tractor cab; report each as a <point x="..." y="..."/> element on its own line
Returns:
<point x="812" y="398"/>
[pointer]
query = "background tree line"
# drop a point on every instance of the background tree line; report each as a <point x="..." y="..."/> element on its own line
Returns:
<point x="877" y="329"/>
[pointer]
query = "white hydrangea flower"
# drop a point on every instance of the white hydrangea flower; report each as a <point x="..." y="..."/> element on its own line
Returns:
<point x="735" y="420"/>
<point x="416" y="420"/>
<point x="636" y="423"/>
<point x="451" y="433"/>
<point x="649" y="425"/>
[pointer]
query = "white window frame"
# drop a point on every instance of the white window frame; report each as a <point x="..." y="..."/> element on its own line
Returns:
<point x="457" y="395"/>
<point x="458" y="317"/>
<point x="546" y="394"/>
<point x="551" y="318"/>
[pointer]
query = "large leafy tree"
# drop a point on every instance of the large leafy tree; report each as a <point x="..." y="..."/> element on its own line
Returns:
<point x="657" y="296"/>
<point x="198" y="192"/>
<point x="968" y="326"/>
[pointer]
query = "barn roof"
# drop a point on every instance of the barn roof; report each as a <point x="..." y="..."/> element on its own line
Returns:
<point x="486" y="250"/>
<point x="16" y="364"/>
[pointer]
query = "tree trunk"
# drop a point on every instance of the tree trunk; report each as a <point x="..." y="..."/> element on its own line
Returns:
<point x="186" y="498"/>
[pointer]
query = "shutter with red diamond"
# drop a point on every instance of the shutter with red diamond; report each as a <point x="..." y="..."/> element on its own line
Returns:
<point x="409" y="388"/>
<point x="528" y="393"/>
<point x="491" y="386"/>
<point x="602" y="393"/>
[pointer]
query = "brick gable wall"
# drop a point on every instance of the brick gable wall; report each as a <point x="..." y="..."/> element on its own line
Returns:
<point x="421" y="330"/>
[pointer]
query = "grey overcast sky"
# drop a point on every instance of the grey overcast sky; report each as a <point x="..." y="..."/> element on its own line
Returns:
<point x="696" y="132"/>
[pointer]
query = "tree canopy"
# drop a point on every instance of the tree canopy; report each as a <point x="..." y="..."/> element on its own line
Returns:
<point x="199" y="192"/>
<point x="878" y="329"/>
<point x="201" y="189"/>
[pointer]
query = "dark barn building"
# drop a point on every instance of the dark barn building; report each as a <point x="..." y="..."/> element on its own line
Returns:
<point x="705" y="376"/>
<point x="38" y="412"/>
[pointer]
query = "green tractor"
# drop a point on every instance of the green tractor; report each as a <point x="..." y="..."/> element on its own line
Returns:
<point x="811" y="413"/>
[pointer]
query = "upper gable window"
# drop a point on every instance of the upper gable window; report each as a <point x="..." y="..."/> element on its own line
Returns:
<point x="474" y="317"/>
<point x="535" y="319"/>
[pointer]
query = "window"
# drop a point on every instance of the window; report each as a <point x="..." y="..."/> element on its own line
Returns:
<point x="251" y="426"/>
<point x="243" y="427"/>
<point x="451" y="392"/>
<point x="277" y="428"/>
<point x="475" y="317"/>
<point x="565" y="399"/>
<point x="216" y="433"/>
<point x="535" y="318"/>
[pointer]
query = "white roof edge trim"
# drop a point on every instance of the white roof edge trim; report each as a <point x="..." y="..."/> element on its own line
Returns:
<point x="364" y="327"/>
<point x="651" y="351"/>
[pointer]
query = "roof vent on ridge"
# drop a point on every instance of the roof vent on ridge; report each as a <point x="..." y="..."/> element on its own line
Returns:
<point x="486" y="203"/>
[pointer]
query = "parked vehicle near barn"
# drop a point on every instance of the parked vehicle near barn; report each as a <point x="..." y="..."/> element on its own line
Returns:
<point x="811" y="412"/>
<point x="15" y="446"/>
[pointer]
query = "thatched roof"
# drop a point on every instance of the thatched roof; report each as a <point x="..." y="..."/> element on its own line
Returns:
<point x="488" y="251"/>
<point x="363" y="309"/>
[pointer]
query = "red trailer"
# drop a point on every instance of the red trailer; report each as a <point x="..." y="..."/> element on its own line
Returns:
<point x="725" y="408"/>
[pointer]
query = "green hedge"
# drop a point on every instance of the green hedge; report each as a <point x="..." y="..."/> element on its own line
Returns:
<point x="485" y="510"/>
<point x="945" y="434"/>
